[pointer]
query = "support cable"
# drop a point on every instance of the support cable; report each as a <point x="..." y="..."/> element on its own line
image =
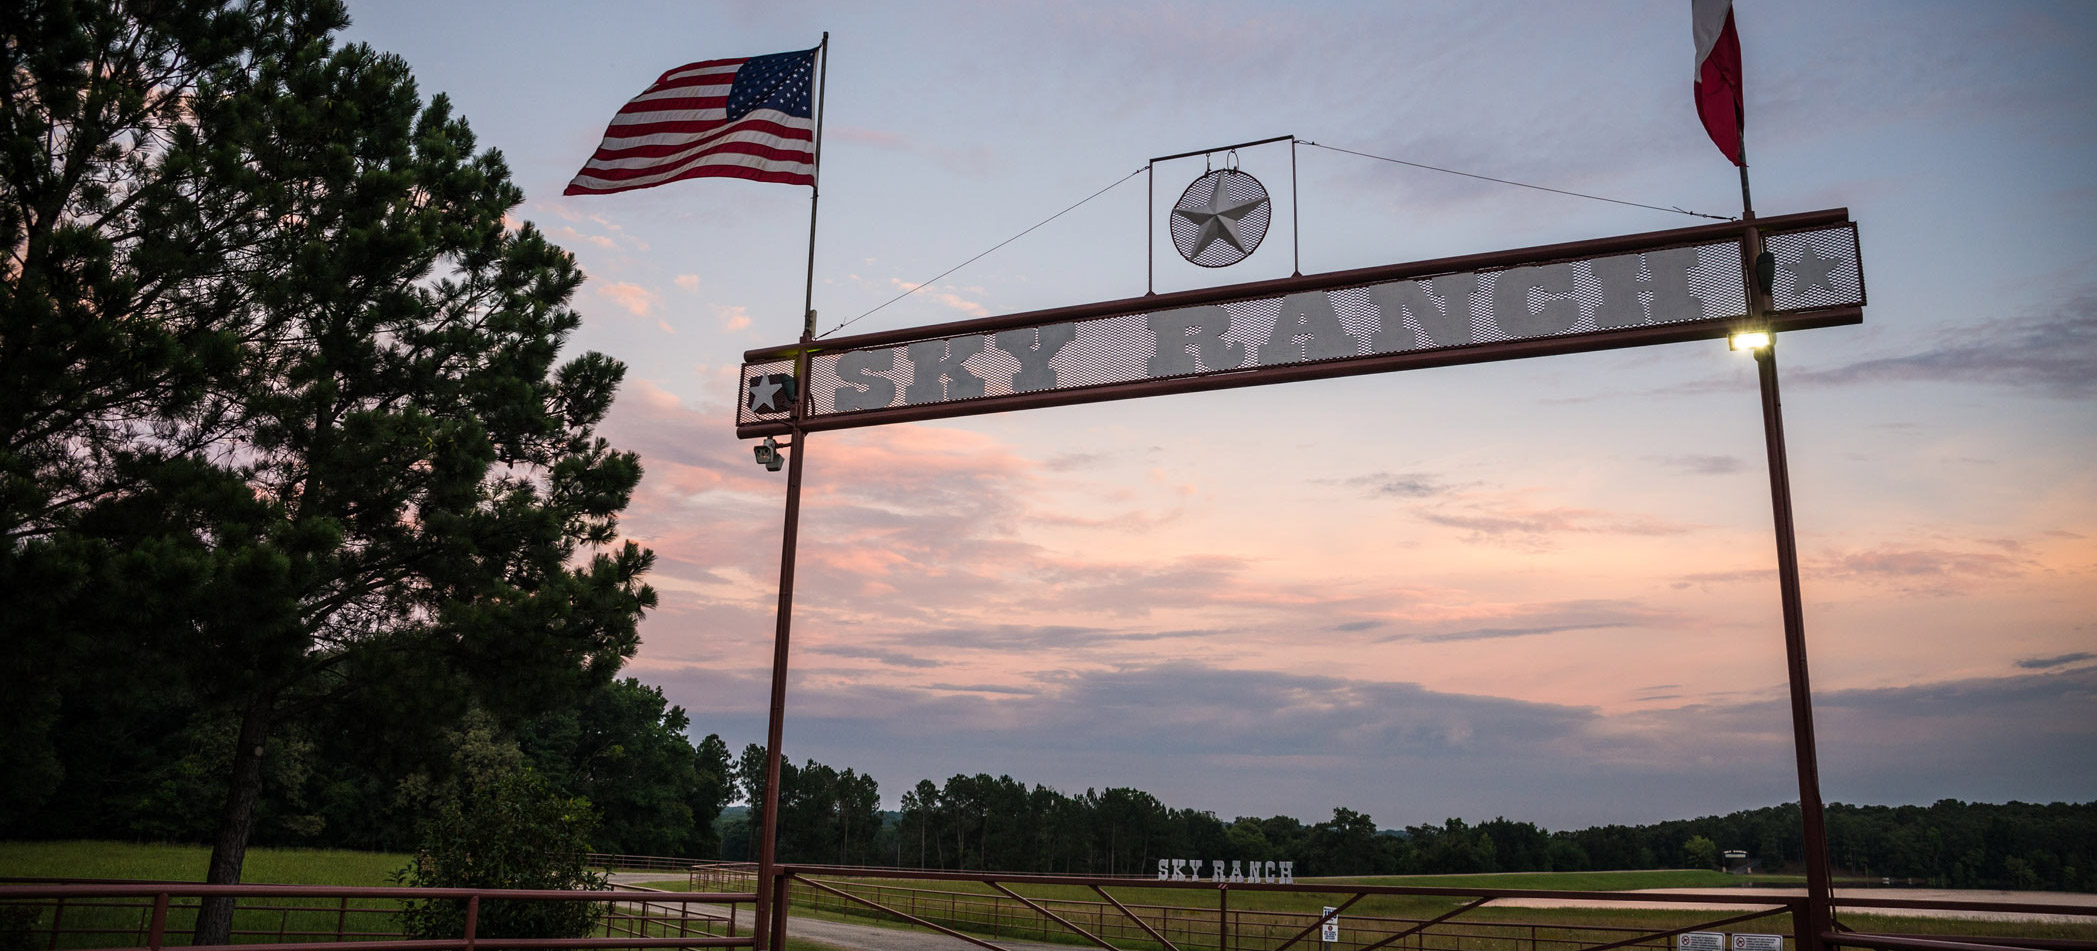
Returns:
<point x="918" y="287"/>
<point x="1503" y="181"/>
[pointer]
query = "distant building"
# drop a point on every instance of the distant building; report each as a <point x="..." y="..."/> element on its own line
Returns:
<point x="1737" y="862"/>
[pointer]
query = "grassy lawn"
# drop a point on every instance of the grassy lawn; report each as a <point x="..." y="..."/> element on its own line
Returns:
<point x="186" y="863"/>
<point x="1577" y="881"/>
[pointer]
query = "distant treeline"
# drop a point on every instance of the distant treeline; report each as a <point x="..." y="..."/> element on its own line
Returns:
<point x="980" y="822"/>
<point x="150" y="764"/>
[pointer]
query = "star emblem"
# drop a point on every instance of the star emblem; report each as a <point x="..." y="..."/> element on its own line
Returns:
<point x="1219" y="218"/>
<point x="1812" y="271"/>
<point x="770" y="393"/>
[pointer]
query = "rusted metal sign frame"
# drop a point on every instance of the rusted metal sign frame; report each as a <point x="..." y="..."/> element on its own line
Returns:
<point x="1758" y="312"/>
<point x="1644" y="335"/>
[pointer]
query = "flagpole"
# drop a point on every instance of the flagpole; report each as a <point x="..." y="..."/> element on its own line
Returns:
<point x="815" y="191"/>
<point x="1819" y="912"/>
<point x="768" y="930"/>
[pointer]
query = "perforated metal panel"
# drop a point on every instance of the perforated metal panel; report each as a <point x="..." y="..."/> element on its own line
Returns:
<point x="1819" y="268"/>
<point x="1450" y="311"/>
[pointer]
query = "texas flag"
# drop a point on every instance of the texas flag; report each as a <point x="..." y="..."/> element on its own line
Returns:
<point x="1718" y="75"/>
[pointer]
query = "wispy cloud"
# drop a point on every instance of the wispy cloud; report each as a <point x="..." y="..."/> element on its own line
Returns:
<point x="2059" y="660"/>
<point x="1534" y="620"/>
<point x="1488" y="521"/>
<point x="893" y="658"/>
<point x="972" y="160"/>
<point x="1404" y="485"/>
<point x="2051" y="354"/>
<point x="1704" y="465"/>
<point x="947" y="295"/>
<point x="1935" y="571"/>
<point x="631" y="296"/>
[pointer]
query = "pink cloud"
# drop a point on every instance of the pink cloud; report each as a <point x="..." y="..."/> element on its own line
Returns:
<point x="631" y="296"/>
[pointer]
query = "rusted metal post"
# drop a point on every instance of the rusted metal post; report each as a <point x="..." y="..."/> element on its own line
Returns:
<point x="157" y="934"/>
<point x="768" y="843"/>
<point x="1223" y="890"/>
<point x="342" y="918"/>
<point x="58" y="917"/>
<point x="1819" y="917"/>
<point x="781" y="899"/>
<point x="473" y="917"/>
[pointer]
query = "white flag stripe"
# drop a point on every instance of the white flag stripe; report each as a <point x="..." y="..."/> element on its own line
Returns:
<point x="722" y="158"/>
<point x="690" y="72"/>
<point x="667" y="115"/>
<point x="780" y="142"/>
<point x="678" y="138"/>
<point x="684" y="92"/>
<point x="728" y="134"/>
<point x="1707" y="19"/>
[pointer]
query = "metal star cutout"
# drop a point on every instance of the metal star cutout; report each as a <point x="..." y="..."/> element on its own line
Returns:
<point x="1219" y="221"/>
<point x="764" y="394"/>
<point x="1813" y="271"/>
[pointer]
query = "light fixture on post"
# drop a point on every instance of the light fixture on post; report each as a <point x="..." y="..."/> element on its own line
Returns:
<point x="768" y="454"/>
<point x="1748" y="340"/>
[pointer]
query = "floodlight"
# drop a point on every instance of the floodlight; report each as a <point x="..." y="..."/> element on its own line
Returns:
<point x="1749" y="340"/>
<point x="768" y="455"/>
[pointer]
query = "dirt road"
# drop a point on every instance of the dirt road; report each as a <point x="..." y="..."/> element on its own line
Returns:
<point x="2078" y="899"/>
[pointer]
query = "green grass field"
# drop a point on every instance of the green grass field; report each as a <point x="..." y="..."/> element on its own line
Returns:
<point x="186" y="863"/>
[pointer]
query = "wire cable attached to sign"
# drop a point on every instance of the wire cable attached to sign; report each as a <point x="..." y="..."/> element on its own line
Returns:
<point x="921" y="286"/>
<point x="1503" y="181"/>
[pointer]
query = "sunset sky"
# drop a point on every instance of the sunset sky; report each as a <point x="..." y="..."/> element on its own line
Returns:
<point x="1542" y="589"/>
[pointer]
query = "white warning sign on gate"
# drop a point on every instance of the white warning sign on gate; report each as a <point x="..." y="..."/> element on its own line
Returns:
<point x="1700" y="941"/>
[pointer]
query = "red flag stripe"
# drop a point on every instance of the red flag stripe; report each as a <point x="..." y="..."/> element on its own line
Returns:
<point x="656" y="154"/>
<point x="710" y="67"/>
<point x="675" y="104"/>
<point x="701" y="165"/>
<point x="754" y="149"/>
<point x="725" y="171"/>
<point x="688" y="131"/>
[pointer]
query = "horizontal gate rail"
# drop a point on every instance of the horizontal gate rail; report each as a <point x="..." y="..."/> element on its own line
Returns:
<point x="82" y="911"/>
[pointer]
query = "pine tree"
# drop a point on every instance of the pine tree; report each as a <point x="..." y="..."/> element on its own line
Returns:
<point x="293" y="423"/>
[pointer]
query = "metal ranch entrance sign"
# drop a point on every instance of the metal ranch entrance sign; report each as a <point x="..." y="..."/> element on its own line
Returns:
<point x="1748" y="280"/>
<point x="1657" y="287"/>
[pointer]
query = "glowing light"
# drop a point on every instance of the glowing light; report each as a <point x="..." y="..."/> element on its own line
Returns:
<point x="1749" y="340"/>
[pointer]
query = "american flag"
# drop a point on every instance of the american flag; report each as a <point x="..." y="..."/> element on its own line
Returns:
<point x="736" y="118"/>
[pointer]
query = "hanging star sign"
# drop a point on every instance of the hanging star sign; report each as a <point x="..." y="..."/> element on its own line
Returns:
<point x="771" y="393"/>
<point x="1812" y="271"/>
<point x="1224" y="225"/>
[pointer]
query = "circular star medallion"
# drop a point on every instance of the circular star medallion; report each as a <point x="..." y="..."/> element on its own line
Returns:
<point x="1221" y="218"/>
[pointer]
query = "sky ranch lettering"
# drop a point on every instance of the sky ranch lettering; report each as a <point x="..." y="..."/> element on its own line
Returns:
<point x="1654" y="288"/>
<point x="1441" y="311"/>
<point x="1190" y="870"/>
